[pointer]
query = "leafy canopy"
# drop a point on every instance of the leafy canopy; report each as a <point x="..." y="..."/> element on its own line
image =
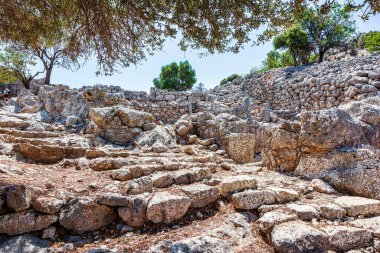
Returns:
<point x="327" y="28"/>
<point x="119" y="32"/>
<point x="372" y="41"/>
<point x="176" y="77"/>
<point x="14" y="65"/>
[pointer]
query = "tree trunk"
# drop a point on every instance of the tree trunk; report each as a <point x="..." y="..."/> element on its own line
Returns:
<point x="49" y="70"/>
<point x="321" y="55"/>
<point x="26" y="83"/>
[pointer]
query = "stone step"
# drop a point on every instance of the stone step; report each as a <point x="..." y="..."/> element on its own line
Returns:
<point x="359" y="206"/>
<point x="48" y="153"/>
<point x="28" y="134"/>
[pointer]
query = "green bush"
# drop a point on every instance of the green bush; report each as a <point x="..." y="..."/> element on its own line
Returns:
<point x="176" y="77"/>
<point x="372" y="41"/>
<point x="229" y="79"/>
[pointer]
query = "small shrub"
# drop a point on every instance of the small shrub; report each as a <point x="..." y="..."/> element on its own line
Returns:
<point x="372" y="41"/>
<point x="229" y="79"/>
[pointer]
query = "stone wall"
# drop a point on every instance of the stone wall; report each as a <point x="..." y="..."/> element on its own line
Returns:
<point x="165" y="106"/>
<point x="60" y="102"/>
<point x="289" y="91"/>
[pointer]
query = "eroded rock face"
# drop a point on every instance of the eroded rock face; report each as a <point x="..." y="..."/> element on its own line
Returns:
<point x="82" y="215"/>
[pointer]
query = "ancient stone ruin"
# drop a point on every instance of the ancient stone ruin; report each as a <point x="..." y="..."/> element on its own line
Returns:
<point x="284" y="161"/>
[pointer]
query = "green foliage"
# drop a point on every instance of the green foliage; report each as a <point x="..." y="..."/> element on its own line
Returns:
<point x="295" y="40"/>
<point x="327" y="28"/>
<point x="14" y="65"/>
<point x="371" y="41"/>
<point x="6" y="76"/>
<point x="229" y="79"/>
<point x="174" y="77"/>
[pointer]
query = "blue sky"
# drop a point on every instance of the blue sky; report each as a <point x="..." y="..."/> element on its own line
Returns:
<point x="210" y="70"/>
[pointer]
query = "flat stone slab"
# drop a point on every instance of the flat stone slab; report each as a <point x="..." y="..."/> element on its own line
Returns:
<point x="236" y="183"/>
<point x="297" y="237"/>
<point x="332" y="211"/>
<point x="343" y="238"/>
<point x="25" y="221"/>
<point x="166" y="207"/>
<point x="285" y="195"/>
<point x="201" y="244"/>
<point x="372" y="224"/>
<point x="355" y="206"/>
<point x="252" y="199"/>
<point x="304" y="212"/>
<point x="200" y="194"/>
<point x="113" y="199"/>
<point x="270" y="219"/>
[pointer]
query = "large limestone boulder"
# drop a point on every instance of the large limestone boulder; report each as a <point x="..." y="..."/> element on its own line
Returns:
<point x="325" y="130"/>
<point x="361" y="180"/>
<point x="241" y="147"/>
<point x="297" y="237"/>
<point x="128" y="117"/>
<point x="163" y="136"/>
<point x="28" y="103"/>
<point x="120" y="124"/>
<point x="24" y="222"/>
<point x="82" y="215"/>
<point x="280" y="145"/>
<point x="166" y="207"/>
<point x="323" y="164"/>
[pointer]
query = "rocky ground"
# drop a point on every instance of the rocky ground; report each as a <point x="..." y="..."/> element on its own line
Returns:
<point x="115" y="179"/>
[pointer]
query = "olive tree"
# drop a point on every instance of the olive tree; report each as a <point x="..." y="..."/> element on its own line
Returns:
<point x="176" y="77"/>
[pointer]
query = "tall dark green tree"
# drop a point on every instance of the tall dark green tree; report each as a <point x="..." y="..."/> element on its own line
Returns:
<point x="327" y="28"/>
<point x="176" y="77"/>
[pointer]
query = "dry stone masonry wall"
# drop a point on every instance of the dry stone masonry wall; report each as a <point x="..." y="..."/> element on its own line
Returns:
<point x="289" y="91"/>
